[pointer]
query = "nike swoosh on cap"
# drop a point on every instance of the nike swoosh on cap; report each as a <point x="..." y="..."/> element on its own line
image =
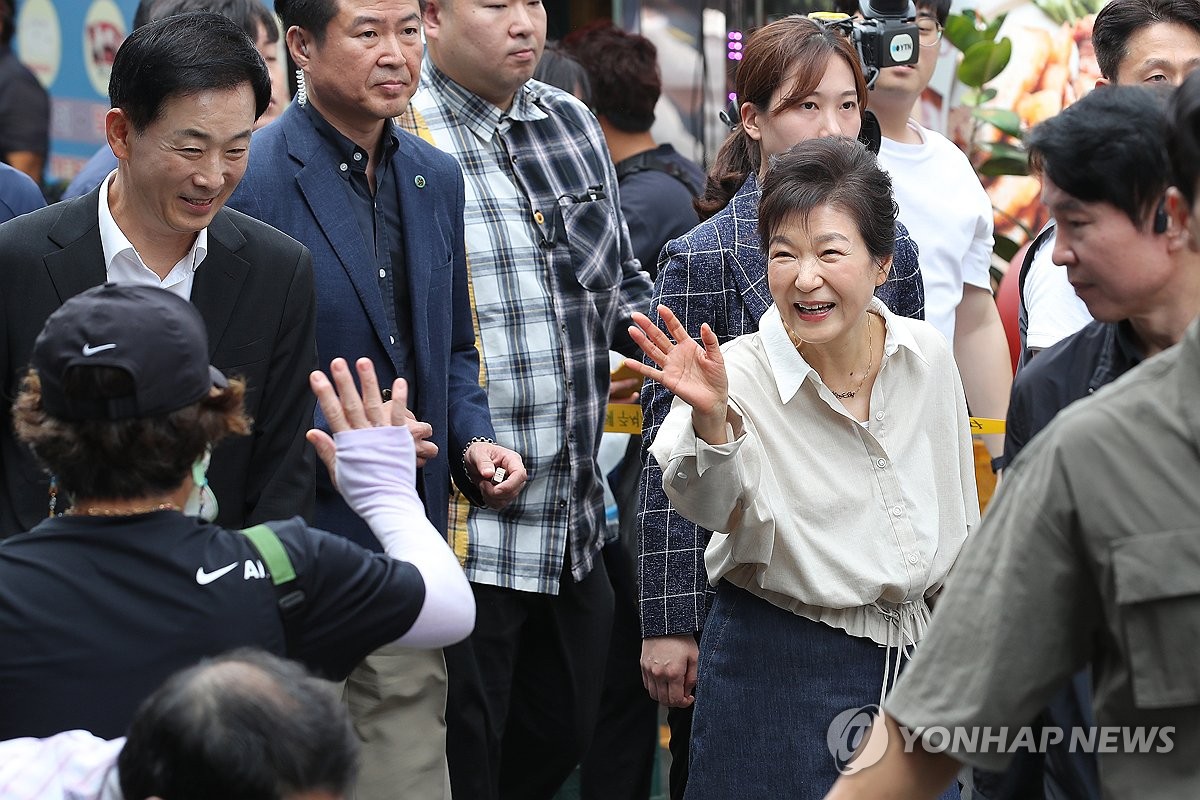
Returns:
<point x="88" y="350"/>
<point x="204" y="578"/>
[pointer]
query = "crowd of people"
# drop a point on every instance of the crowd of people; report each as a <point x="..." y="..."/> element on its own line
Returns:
<point x="303" y="401"/>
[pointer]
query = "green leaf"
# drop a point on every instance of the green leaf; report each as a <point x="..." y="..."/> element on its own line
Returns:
<point x="961" y="31"/>
<point x="984" y="61"/>
<point x="1004" y="166"/>
<point x="1005" y="247"/>
<point x="1057" y="10"/>
<point x="1003" y="150"/>
<point x="993" y="28"/>
<point x="974" y="98"/>
<point x="1003" y="119"/>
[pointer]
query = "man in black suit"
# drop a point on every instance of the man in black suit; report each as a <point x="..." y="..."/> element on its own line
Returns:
<point x="185" y="92"/>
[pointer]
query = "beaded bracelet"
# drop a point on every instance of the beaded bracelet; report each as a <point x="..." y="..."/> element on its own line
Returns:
<point x="471" y="441"/>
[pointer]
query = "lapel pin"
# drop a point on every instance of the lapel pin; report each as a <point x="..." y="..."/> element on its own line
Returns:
<point x="419" y="181"/>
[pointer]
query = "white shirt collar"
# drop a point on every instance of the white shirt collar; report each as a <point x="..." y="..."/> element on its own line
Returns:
<point x="123" y="264"/>
<point x="790" y="369"/>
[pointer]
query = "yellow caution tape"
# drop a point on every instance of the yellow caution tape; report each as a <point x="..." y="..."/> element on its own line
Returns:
<point x="982" y="425"/>
<point x="623" y="418"/>
<point x="627" y="418"/>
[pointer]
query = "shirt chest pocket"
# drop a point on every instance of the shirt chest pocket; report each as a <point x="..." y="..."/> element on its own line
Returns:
<point x="591" y="231"/>
<point x="1157" y="580"/>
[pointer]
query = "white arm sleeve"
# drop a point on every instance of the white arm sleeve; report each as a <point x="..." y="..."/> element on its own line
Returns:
<point x="376" y="469"/>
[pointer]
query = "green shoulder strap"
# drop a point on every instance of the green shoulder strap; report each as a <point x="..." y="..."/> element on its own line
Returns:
<point x="283" y="576"/>
<point x="267" y="543"/>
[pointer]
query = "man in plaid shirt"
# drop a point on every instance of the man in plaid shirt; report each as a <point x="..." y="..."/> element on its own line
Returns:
<point x="554" y="282"/>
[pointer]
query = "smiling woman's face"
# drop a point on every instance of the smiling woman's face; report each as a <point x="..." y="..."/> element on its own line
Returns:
<point x="821" y="275"/>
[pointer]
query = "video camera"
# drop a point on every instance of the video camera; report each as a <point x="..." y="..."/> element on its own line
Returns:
<point x="885" y="36"/>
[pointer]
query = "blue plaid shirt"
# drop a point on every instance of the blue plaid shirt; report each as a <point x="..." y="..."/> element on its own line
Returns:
<point x="554" y="283"/>
<point x="716" y="274"/>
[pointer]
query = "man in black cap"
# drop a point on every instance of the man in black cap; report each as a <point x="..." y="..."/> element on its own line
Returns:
<point x="100" y="605"/>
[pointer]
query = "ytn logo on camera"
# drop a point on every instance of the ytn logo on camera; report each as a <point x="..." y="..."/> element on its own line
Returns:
<point x="901" y="48"/>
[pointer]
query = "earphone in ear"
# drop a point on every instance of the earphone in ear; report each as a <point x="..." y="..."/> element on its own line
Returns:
<point x="1160" y="218"/>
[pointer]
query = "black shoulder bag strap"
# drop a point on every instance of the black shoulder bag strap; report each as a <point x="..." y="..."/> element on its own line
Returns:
<point x="649" y="161"/>
<point x="1022" y="311"/>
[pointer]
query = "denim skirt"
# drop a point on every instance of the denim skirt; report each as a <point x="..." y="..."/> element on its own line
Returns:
<point x="770" y="683"/>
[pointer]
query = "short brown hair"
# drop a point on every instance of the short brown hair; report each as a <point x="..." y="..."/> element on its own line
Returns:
<point x="623" y="70"/>
<point x="128" y="458"/>
<point x="830" y="171"/>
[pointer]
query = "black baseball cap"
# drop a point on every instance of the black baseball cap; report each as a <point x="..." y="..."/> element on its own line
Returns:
<point x="157" y="337"/>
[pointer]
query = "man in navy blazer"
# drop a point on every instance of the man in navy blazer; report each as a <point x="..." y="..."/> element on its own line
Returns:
<point x="180" y="125"/>
<point x="293" y="184"/>
<point x="382" y="213"/>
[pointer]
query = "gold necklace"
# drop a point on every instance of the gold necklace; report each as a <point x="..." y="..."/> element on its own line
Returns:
<point x="99" y="511"/>
<point x="796" y="342"/>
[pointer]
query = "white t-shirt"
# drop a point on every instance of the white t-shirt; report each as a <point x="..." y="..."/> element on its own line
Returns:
<point x="1053" y="309"/>
<point x="949" y="216"/>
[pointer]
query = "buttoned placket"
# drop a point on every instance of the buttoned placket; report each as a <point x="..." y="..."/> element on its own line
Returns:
<point x="893" y="503"/>
<point x="516" y="168"/>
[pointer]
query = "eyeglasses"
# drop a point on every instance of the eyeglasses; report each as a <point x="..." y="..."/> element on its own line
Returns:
<point x="930" y="31"/>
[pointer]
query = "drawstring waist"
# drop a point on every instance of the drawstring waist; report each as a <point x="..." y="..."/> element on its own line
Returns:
<point x="901" y="628"/>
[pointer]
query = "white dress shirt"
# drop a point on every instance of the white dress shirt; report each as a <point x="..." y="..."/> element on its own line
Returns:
<point x="123" y="264"/>
<point x="843" y="523"/>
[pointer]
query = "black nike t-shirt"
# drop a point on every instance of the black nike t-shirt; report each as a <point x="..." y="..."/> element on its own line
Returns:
<point x="95" y="612"/>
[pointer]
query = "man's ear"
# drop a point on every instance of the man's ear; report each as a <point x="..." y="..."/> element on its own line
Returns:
<point x="1178" y="214"/>
<point x="750" y="114"/>
<point x="432" y="18"/>
<point x="118" y="130"/>
<point x="297" y="41"/>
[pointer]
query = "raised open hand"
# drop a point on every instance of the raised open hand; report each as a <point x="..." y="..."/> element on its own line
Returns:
<point x="346" y="409"/>
<point x="693" y="373"/>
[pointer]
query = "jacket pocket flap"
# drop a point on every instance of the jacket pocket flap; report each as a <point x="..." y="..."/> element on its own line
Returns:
<point x="1157" y="566"/>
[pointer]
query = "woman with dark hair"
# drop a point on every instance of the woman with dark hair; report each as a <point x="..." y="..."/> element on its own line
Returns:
<point x="797" y="80"/>
<point x="100" y="604"/>
<point x="832" y="450"/>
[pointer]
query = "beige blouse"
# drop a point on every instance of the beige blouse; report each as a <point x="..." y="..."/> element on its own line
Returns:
<point x="847" y="523"/>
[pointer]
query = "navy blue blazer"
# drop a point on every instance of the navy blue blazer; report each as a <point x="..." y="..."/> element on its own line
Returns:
<point x="292" y="183"/>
